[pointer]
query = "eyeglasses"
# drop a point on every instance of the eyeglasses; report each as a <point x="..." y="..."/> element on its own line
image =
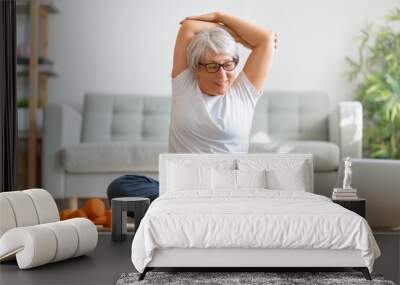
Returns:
<point x="214" y="67"/>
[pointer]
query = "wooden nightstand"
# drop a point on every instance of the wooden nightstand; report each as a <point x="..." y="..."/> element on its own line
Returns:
<point x="358" y="206"/>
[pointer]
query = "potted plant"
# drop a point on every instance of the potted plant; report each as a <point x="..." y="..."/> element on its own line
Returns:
<point x="23" y="115"/>
<point x="377" y="75"/>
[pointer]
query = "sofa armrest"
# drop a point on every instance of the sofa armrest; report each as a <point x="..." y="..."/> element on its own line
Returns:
<point x="61" y="127"/>
<point x="346" y="128"/>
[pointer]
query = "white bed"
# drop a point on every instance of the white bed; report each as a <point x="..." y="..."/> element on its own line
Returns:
<point x="269" y="218"/>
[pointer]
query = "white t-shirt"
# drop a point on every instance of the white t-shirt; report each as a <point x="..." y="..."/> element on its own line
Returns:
<point x="211" y="124"/>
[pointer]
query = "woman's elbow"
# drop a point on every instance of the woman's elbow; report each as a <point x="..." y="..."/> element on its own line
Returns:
<point x="267" y="39"/>
<point x="268" y="36"/>
<point x="188" y="25"/>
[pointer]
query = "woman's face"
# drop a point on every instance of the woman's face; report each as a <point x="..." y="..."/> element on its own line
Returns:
<point x="215" y="83"/>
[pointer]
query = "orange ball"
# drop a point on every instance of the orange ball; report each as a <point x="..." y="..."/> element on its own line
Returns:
<point x="100" y="220"/>
<point x="77" y="214"/>
<point x="64" y="214"/>
<point x="94" y="208"/>
<point x="108" y="216"/>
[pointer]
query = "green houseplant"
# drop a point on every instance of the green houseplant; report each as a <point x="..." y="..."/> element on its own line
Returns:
<point x="377" y="74"/>
<point x="23" y="114"/>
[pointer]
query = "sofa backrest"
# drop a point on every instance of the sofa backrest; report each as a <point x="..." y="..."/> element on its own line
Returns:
<point x="278" y="116"/>
<point x="282" y="162"/>
<point x="291" y="116"/>
<point x="108" y="118"/>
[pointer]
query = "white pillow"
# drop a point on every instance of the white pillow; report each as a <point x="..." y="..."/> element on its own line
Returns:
<point x="282" y="174"/>
<point x="188" y="177"/>
<point x="251" y="178"/>
<point x="291" y="178"/>
<point x="229" y="179"/>
<point x="223" y="179"/>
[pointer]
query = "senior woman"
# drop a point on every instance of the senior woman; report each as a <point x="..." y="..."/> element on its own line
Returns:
<point x="212" y="108"/>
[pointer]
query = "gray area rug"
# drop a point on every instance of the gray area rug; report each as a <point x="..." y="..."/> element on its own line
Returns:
<point x="225" y="278"/>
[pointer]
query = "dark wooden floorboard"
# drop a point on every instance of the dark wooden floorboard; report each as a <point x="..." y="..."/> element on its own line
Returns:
<point x="102" y="266"/>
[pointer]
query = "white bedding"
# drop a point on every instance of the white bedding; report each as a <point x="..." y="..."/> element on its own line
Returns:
<point x="251" y="218"/>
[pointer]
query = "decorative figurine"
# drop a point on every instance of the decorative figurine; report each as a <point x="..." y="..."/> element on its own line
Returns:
<point x="347" y="173"/>
<point x="347" y="192"/>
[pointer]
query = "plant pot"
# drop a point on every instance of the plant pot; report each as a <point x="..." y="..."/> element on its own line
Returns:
<point x="23" y="119"/>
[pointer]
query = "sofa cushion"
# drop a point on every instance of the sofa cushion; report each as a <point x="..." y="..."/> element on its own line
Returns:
<point x="108" y="118"/>
<point x="112" y="157"/>
<point x="326" y="154"/>
<point x="292" y="116"/>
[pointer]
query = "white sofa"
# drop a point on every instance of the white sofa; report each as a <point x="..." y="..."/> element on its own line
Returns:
<point x="124" y="134"/>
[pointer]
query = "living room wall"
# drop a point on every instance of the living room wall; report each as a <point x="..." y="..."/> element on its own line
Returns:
<point x="124" y="46"/>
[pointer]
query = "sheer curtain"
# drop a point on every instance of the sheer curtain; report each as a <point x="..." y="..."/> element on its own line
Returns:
<point x="8" y="108"/>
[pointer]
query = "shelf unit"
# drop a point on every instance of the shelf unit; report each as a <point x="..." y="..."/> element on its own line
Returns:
<point x="37" y="74"/>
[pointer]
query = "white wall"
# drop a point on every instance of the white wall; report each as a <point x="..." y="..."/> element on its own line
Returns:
<point x="124" y="46"/>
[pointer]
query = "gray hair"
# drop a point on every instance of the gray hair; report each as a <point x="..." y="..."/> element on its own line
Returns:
<point x="216" y="39"/>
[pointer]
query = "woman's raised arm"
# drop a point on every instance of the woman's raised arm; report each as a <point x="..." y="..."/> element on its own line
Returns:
<point x="188" y="29"/>
<point x="261" y="41"/>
